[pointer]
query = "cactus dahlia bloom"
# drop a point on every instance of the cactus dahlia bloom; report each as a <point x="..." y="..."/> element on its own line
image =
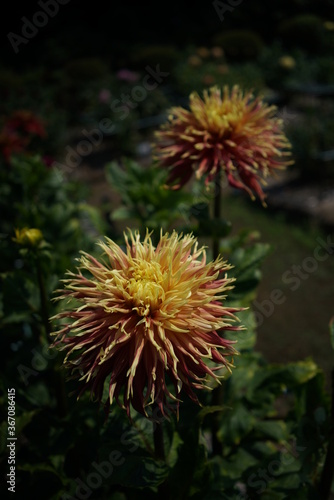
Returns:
<point x="231" y="131"/>
<point x="144" y="317"/>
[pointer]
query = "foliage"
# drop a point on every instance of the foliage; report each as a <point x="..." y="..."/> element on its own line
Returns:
<point x="305" y="31"/>
<point x="273" y="424"/>
<point x="239" y="45"/>
<point x="164" y="55"/>
<point x="145" y="200"/>
<point x="283" y="68"/>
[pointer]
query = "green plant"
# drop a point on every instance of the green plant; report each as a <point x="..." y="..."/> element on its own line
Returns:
<point x="145" y="200"/>
<point x="164" y="55"/>
<point x="305" y="31"/>
<point x="239" y="45"/>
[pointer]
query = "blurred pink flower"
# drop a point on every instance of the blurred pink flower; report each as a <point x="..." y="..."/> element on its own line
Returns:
<point x="104" y="96"/>
<point x="127" y="75"/>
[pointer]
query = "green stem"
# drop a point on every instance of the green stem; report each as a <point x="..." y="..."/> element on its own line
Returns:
<point x="60" y="393"/>
<point x="43" y="299"/>
<point x="216" y="211"/>
<point x="218" y="393"/>
<point x="158" y="439"/>
<point x="217" y="400"/>
<point x="59" y="383"/>
<point x="328" y="468"/>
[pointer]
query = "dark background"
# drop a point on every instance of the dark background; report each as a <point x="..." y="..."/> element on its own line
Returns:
<point x="111" y="29"/>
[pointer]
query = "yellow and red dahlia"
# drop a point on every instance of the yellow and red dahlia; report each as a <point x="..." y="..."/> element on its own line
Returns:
<point x="146" y="318"/>
<point x="232" y="131"/>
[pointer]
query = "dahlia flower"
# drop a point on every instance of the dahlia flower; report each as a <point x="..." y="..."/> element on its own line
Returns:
<point x="228" y="130"/>
<point x="25" y="122"/>
<point x="18" y="131"/>
<point x="146" y="317"/>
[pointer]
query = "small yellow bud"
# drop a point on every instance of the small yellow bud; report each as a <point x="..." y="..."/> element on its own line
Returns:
<point x="287" y="62"/>
<point x="28" y="237"/>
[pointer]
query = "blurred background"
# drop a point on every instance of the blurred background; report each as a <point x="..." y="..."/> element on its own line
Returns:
<point x="78" y="64"/>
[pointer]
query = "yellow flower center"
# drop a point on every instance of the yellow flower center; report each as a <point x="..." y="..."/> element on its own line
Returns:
<point x="145" y="286"/>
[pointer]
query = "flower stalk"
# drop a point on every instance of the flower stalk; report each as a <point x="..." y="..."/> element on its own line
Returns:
<point x="158" y="439"/>
<point x="43" y="299"/>
<point x="217" y="211"/>
<point x="327" y="474"/>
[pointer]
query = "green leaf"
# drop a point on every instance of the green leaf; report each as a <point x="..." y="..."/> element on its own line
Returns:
<point x="23" y="420"/>
<point x="122" y="213"/>
<point x="286" y="482"/>
<point x="246" y="262"/>
<point x="115" y="175"/>
<point x="246" y="339"/>
<point x="174" y="450"/>
<point x="139" y="472"/>
<point x="292" y="374"/>
<point x="273" y="429"/>
<point x="94" y="216"/>
<point x="234" y="466"/>
<point x="273" y="495"/>
<point x="42" y="467"/>
<point x="247" y="366"/>
<point x="208" y="410"/>
<point x="236" y="424"/>
<point x="331" y="331"/>
<point x="38" y="394"/>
